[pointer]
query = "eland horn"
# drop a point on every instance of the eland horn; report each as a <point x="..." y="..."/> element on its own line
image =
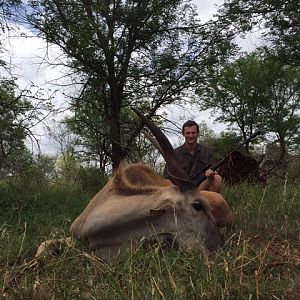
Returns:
<point x="177" y="175"/>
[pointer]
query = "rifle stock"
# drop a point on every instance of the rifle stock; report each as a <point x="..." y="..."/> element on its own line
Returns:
<point x="200" y="176"/>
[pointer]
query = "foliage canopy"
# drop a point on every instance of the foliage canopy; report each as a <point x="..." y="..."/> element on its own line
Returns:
<point x="279" y="20"/>
<point x="142" y="53"/>
<point x="257" y="93"/>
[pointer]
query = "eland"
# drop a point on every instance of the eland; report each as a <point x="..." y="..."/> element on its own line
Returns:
<point x="137" y="204"/>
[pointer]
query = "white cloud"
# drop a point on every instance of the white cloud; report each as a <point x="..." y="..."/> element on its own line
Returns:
<point x="206" y="8"/>
<point x="27" y="57"/>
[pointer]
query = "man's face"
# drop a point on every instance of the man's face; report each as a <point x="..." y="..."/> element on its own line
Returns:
<point x="190" y="134"/>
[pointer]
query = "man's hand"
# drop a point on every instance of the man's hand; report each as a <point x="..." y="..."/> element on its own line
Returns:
<point x="210" y="172"/>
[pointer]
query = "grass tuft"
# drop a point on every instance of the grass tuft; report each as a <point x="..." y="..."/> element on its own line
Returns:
<point x="260" y="259"/>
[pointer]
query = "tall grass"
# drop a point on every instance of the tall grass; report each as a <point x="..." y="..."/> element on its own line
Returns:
<point x="260" y="259"/>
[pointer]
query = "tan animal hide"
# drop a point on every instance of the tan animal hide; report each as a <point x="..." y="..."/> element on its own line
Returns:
<point x="136" y="203"/>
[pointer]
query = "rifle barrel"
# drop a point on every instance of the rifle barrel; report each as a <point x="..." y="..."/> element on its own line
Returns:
<point x="255" y="134"/>
<point x="199" y="177"/>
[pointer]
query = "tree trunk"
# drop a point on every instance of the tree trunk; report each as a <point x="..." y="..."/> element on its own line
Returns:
<point x="118" y="152"/>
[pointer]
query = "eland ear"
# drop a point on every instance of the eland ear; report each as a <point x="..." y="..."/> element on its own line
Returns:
<point x="162" y="209"/>
<point x="157" y="212"/>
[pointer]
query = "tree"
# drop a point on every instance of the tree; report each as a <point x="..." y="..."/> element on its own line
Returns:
<point x="235" y="92"/>
<point x="142" y="53"/>
<point x="281" y="110"/>
<point x="222" y="144"/>
<point x="13" y="123"/>
<point x="91" y="136"/>
<point x="6" y="14"/>
<point x="256" y="92"/>
<point x="67" y="161"/>
<point x="20" y="111"/>
<point x="279" y="20"/>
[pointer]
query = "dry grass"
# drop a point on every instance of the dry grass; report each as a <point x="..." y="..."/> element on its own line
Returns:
<point x="260" y="260"/>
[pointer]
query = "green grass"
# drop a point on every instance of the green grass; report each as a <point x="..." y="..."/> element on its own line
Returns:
<point x="260" y="260"/>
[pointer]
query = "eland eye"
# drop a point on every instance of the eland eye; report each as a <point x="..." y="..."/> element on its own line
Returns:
<point x="198" y="206"/>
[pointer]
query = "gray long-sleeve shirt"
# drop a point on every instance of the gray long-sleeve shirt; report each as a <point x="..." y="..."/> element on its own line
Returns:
<point x="191" y="164"/>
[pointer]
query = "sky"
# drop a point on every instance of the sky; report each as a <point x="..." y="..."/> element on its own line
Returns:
<point x="207" y="8"/>
<point x="29" y="57"/>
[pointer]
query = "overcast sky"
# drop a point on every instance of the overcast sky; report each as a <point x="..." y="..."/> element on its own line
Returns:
<point x="207" y="8"/>
<point x="27" y="54"/>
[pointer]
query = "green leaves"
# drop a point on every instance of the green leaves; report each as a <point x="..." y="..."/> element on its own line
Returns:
<point x="143" y="53"/>
<point x="278" y="21"/>
<point x="256" y="92"/>
<point x="20" y="111"/>
<point x="13" y="121"/>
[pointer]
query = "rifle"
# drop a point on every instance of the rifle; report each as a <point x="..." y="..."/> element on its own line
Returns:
<point x="199" y="177"/>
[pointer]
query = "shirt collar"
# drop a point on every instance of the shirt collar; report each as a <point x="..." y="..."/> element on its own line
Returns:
<point x="184" y="150"/>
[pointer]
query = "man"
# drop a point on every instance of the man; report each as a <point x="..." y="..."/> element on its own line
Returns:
<point x="193" y="157"/>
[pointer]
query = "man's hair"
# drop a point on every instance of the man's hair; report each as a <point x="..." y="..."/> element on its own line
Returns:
<point x="190" y="123"/>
